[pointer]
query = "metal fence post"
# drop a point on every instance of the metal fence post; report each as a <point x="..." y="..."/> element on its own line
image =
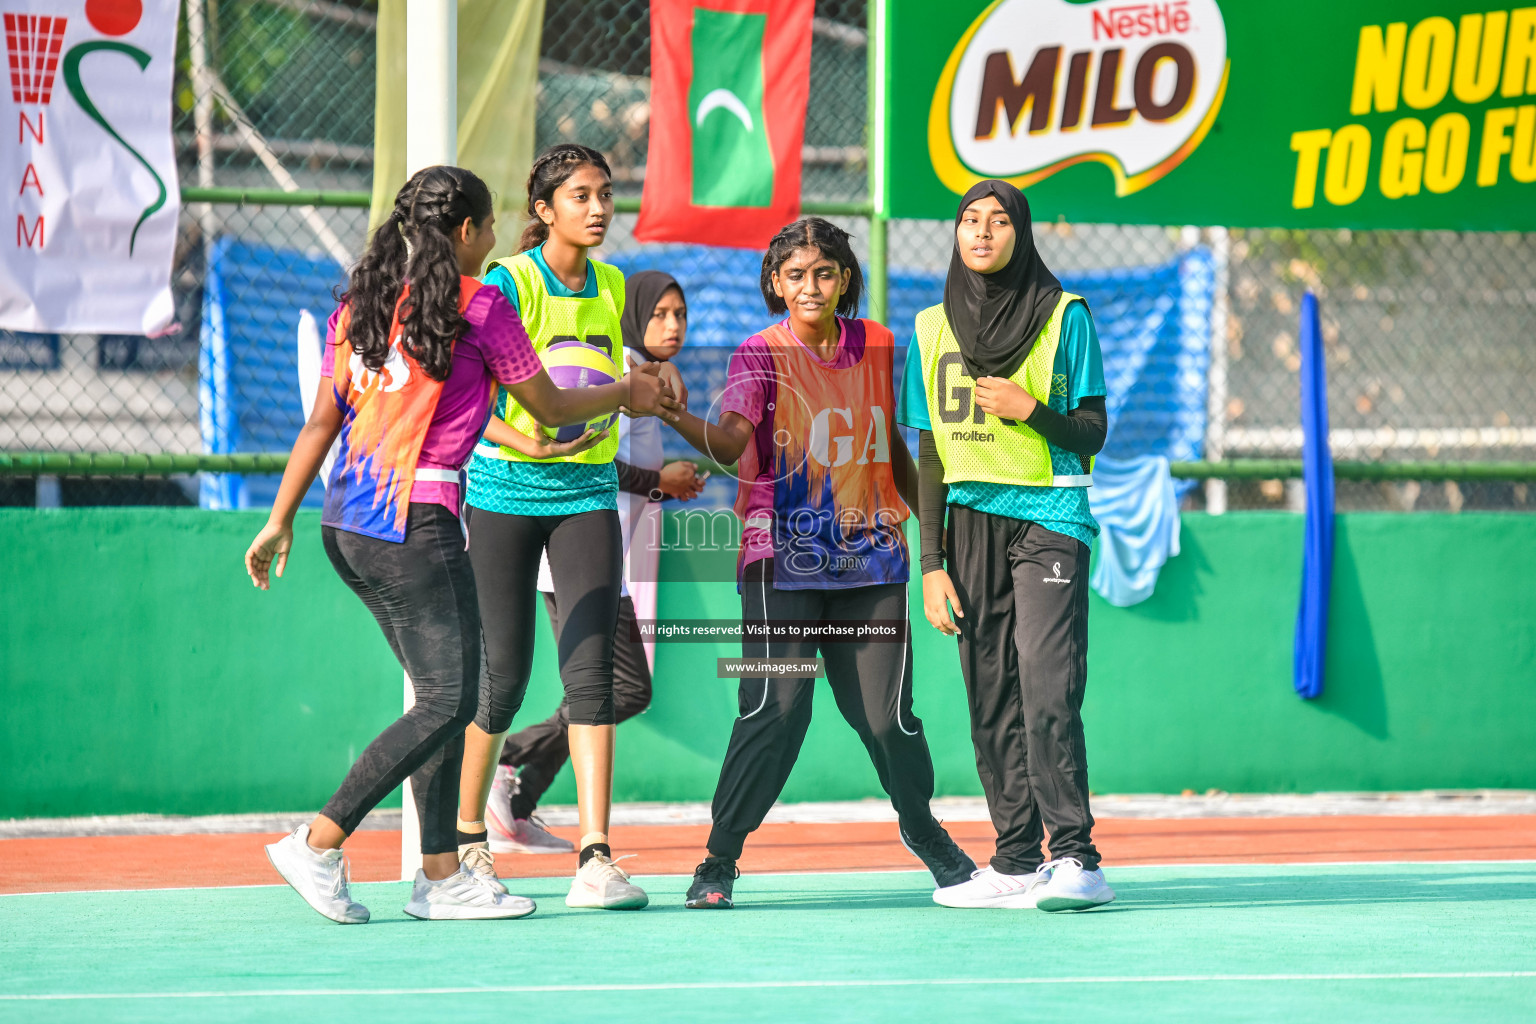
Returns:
<point x="431" y="137"/>
<point x="874" y="159"/>
<point x="1216" y="374"/>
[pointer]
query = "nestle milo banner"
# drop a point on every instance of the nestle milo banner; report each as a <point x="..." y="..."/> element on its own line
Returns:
<point x="1311" y="113"/>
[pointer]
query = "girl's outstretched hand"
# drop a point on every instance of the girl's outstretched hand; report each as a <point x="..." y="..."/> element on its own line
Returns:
<point x="938" y="597"/>
<point x="273" y="542"/>
<point x="649" y="395"/>
<point x="674" y="380"/>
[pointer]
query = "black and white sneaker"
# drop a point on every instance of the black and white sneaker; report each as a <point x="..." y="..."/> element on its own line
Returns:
<point x="711" y="888"/>
<point x="944" y="859"/>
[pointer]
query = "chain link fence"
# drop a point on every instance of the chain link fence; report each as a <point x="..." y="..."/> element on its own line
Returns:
<point x="1427" y="333"/>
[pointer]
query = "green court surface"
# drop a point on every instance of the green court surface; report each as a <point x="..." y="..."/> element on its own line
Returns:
<point x="1377" y="942"/>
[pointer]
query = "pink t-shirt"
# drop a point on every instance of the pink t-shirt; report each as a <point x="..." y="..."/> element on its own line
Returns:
<point x="750" y="389"/>
<point x="495" y="347"/>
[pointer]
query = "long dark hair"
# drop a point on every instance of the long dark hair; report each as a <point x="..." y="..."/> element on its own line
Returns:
<point x="552" y="169"/>
<point x="812" y="233"/>
<point x="415" y="246"/>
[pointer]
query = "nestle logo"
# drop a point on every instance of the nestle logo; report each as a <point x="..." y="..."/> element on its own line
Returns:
<point x="1137" y="20"/>
<point x="1024" y="104"/>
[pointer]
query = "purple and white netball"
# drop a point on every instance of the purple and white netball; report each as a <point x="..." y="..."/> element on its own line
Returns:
<point x="572" y="363"/>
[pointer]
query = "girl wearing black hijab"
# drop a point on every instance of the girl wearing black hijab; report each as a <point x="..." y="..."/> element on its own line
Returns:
<point x="655" y="326"/>
<point x="1004" y="383"/>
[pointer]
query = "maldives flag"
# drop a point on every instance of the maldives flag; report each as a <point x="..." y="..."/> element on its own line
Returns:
<point x="730" y="80"/>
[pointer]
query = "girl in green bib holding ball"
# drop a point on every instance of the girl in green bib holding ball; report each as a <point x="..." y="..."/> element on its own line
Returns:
<point x="530" y="493"/>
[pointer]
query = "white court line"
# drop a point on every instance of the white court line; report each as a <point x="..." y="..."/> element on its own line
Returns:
<point x="1129" y="979"/>
<point x="1112" y="868"/>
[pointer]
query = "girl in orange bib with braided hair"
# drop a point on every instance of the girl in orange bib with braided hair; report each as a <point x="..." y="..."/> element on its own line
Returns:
<point x="406" y="382"/>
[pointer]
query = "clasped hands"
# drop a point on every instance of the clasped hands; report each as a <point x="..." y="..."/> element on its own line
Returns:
<point x="1001" y="397"/>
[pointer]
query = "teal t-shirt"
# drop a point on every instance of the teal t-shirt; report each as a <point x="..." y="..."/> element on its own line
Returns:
<point x="540" y="488"/>
<point x="1077" y="374"/>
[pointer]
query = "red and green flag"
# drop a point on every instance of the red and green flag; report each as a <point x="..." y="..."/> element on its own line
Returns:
<point x="730" y="80"/>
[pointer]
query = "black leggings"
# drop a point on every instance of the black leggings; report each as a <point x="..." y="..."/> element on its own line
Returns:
<point x="586" y="558"/>
<point x="542" y="749"/>
<point x="422" y="593"/>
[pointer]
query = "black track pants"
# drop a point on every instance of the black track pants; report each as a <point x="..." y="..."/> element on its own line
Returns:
<point x="871" y="682"/>
<point x="422" y="593"/>
<point x="586" y="558"/>
<point x="541" y="750"/>
<point x="1024" y="655"/>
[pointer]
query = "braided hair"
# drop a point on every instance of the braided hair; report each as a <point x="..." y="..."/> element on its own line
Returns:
<point x="552" y="169"/>
<point x="415" y="246"/>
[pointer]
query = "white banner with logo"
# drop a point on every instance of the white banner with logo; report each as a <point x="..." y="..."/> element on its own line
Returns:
<point x="90" y="188"/>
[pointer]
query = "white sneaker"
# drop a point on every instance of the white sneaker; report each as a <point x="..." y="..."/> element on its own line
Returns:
<point x="527" y="835"/>
<point x="1069" y="887"/>
<point x="602" y="885"/>
<point x="476" y="860"/>
<point x="516" y="835"/>
<point x="498" y="806"/>
<point x="321" y="878"/>
<point x="463" y="897"/>
<point x="988" y="887"/>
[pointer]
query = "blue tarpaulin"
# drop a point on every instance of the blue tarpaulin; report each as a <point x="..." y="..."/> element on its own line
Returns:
<point x="1317" y="471"/>
<point x="248" y="364"/>
<point x="1153" y="323"/>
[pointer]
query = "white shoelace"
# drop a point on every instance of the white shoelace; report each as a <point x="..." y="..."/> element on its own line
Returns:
<point x="480" y="868"/>
<point x="478" y="861"/>
<point x="610" y="868"/>
<point x="1049" y="867"/>
<point x="341" y="875"/>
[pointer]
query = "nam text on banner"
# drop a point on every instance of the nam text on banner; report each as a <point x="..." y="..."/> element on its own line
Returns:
<point x="90" y="184"/>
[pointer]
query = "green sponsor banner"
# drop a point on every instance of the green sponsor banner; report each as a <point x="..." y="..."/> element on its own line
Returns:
<point x="1312" y="113"/>
<point x="732" y="165"/>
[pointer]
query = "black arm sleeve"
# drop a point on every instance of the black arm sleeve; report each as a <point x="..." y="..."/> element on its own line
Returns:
<point x="1081" y="431"/>
<point x="634" y="480"/>
<point x="932" y="500"/>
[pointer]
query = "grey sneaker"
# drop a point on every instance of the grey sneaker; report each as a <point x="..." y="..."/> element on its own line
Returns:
<point x="321" y="878"/>
<point x="463" y="897"/>
<point x="602" y="885"/>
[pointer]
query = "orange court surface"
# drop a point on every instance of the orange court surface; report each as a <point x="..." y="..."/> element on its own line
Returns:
<point x="147" y="861"/>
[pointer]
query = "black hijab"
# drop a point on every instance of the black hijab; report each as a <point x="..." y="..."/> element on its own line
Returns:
<point x="996" y="317"/>
<point x="641" y="293"/>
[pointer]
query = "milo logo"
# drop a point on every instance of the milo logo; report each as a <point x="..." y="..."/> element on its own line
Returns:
<point x="1035" y="86"/>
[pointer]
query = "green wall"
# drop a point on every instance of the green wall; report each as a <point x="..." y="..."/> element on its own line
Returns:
<point x="140" y="671"/>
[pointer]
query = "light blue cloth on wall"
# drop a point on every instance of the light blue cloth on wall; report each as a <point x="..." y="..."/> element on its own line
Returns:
<point x="1137" y="507"/>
